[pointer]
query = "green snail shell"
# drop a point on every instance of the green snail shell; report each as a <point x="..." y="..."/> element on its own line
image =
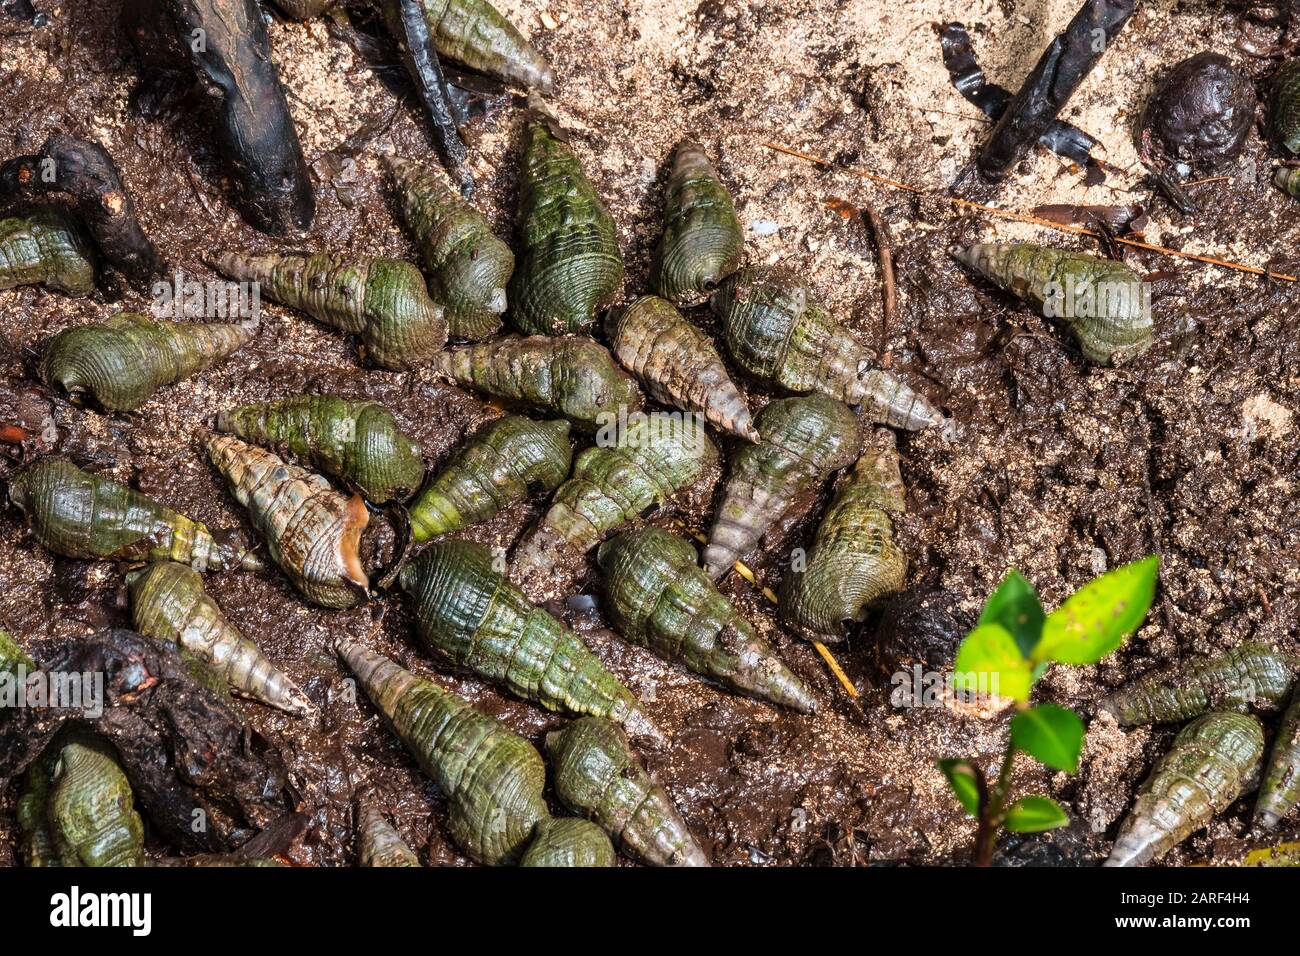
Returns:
<point x="1279" y="791"/>
<point x="569" y="841"/>
<point x="1284" y="107"/>
<point x="46" y="248"/>
<point x="92" y="813"/>
<point x="378" y="843"/>
<point x="703" y="242"/>
<point x="473" y="32"/>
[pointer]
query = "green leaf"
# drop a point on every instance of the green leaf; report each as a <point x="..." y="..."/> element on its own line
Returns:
<point x="992" y="651"/>
<point x="963" y="777"/>
<point x="1099" y="616"/>
<point x="1034" y="815"/>
<point x="1016" y="607"/>
<point x="1050" y="734"/>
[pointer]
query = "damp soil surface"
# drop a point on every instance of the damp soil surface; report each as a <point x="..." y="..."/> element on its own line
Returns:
<point x="1055" y="467"/>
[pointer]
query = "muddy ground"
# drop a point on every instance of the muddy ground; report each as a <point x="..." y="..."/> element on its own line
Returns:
<point x="1057" y="468"/>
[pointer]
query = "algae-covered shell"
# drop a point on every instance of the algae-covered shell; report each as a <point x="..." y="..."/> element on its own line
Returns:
<point x="473" y="32"/>
<point x="382" y="301"/>
<point x="569" y="265"/>
<point x="79" y="515"/>
<point x="358" y="442"/>
<point x="32" y="812"/>
<point x="660" y="599"/>
<point x="569" y="841"/>
<point x="1284" y="107"/>
<point x="312" y="532"/>
<point x="776" y="332"/>
<point x="492" y="777"/>
<point x="122" y="361"/>
<point x="854" y="559"/>
<point x="507" y="460"/>
<point x="1105" y="303"/>
<point x="12" y="656"/>
<point x="46" y="248"/>
<point x="572" y="376"/>
<point x="168" y="603"/>
<point x="804" y="440"/>
<point x="703" y="242"/>
<point x="1252" y="674"/>
<point x="1279" y="791"/>
<point x="677" y="363"/>
<point x="470" y="615"/>
<point x="92" y="814"/>
<point x="647" y="460"/>
<point x="598" y="775"/>
<point x="378" y="843"/>
<point x="1214" y="760"/>
<point x="466" y="264"/>
<point x="1288" y="179"/>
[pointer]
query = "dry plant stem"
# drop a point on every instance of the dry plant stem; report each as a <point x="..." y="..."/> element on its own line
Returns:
<point x="1025" y="217"/>
<point x="889" y="292"/>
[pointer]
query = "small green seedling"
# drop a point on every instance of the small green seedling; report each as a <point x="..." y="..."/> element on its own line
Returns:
<point x="1011" y="646"/>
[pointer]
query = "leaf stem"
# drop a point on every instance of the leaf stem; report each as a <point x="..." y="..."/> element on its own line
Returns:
<point x="991" y="810"/>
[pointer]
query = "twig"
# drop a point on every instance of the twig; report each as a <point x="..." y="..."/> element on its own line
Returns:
<point x="1025" y="217"/>
<point x="885" y="249"/>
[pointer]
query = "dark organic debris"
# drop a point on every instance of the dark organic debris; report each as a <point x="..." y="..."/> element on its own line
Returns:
<point x="188" y="756"/>
<point x="1116" y="220"/>
<point x="1200" y="115"/>
<point x="969" y="80"/>
<point x="85" y="173"/>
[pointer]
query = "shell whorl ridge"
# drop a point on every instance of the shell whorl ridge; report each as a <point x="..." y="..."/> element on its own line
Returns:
<point x="45" y="247"/>
<point x="569" y="841"/>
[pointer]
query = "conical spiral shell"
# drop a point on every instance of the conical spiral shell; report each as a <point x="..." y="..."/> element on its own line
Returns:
<point x="92" y="813"/>
<point x="79" y="515"/>
<point x="470" y="615"/>
<point x="168" y="603"/>
<point x="311" y="531"/>
<point x="1103" y="302"/>
<point x="467" y="266"/>
<point x="804" y="441"/>
<point x="378" y="843"/>
<point x="35" y="840"/>
<point x="358" y="442"/>
<point x="1279" y="792"/>
<point x="122" y="361"/>
<point x="1252" y="674"/>
<point x="474" y="33"/>
<point x="1284" y="107"/>
<point x="569" y="265"/>
<point x="46" y="248"/>
<point x="658" y="598"/>
<point x="506" y="461"/>
<point x="492" y="777"/>
<point x="598" y="775"/>
<point x="382" y="301"/>
<point x="678" y="364"/>
<point x="647" y="461"/>
<point x="1214" y="760"/>
<point x="569" y="841"/>
<point x="776" y="332"/>
<point x="854" y="560"/>
<point x="571" y="376"/>
<point x="703" y="242"/>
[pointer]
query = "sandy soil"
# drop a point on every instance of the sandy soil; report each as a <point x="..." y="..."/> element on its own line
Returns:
<point x="1057" y="468"/>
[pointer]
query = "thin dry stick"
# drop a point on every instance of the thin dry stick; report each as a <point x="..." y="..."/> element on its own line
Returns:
<point x="885" y="249"/>
<point x="1024" y="217"/>
<point x="825" y="652"/>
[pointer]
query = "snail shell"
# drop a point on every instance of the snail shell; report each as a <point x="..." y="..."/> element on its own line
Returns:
<point x="703" y="242"/>
<point x="1252" y="674"/>
<point x="1280" y="790"/>
<point x="598" y="775"/>
<point x="571" y="376"/>
<point x="678" y="364"/>
<point x="32" y="812"/>
<point x="122" y="361"/>
<point x="1284" y="107"/>
<point x="804" y="440"/>
<point x="45" y="247"/>
<point x="569" y="265"/>
<point x="359" y="443"/>
<point x="492" y="777"/>
<point x="470" y="615"/>
<point x="382" y="301"/>
<point x="569" y="841"/>
<point x="92" y="814"/>
<point x="661" y="600"/>
<point x="1101" y="300"/>
<point x="80" y="515"/>
<point x="312" y="532"/>
<point x="468" y="267"/>
<point x="506" y="461"/>
<point x="168" y="603"/>
<point x="472" y="32"/>
<point x="854" y="560"/>
<point x="649" y="460"/>
<point x="378" y="843"/>
<point x="1214" y="760"/>
<point x="776" y="332"/>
